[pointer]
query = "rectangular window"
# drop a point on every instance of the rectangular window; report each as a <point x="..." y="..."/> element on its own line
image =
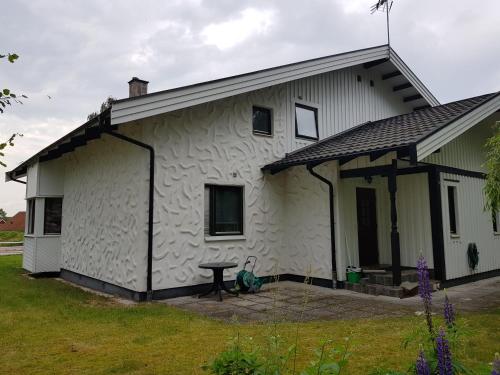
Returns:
<point x="306" y="122"/>
<point x="452" y="209"/>
<point x="225" y="210"/>
<point x="495" y="216"/>
<point x="52" y="216"/>
<point x="31" y="216"/>
<point x="262" y="121"/>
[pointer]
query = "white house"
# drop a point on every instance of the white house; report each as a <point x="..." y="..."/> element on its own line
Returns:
<point x="312" y="166"/>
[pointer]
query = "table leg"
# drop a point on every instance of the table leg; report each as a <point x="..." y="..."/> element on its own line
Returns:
<point x="212" y="289"/>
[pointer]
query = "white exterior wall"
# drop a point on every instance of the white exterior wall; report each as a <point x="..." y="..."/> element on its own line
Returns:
<point x="29" y="247"/>
<point x="307" y="249"/>
<point x="104" y="227"/>
<point x="342" y="101"/>
<point x="42" y="252"/>
<point x="467" y="151"/>
<point x="474" y="225"/>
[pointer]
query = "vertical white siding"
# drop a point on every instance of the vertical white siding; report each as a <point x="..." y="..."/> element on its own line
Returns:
<point x="414" y="219"/>
<point x="342" y="101"/>
<point x="467" y="151"/>
<point x="29" y="254"/>
<point x="475" y="225"/>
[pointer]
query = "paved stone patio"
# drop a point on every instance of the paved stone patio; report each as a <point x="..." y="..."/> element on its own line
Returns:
<point x="290" y="301"/>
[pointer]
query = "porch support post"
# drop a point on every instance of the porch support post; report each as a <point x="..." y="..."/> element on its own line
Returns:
<point x="437" y="224"/>
<point x="395" y="248"/>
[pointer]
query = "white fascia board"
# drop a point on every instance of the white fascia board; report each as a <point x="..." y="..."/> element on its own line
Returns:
<point x="437" y="140"/>
<point x="413" y="79"/>
<point x="163" y="102"/>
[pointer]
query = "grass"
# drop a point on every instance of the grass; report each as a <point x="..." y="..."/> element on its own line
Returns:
<point x="10" y="236"/>
<point x="47" y="326"/>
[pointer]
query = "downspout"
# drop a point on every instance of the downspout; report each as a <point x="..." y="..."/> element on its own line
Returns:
<point x="149" y="293"/>
<point x="332" y="220"/>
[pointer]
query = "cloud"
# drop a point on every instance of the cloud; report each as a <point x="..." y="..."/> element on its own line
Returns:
<point x="229" y="33"/>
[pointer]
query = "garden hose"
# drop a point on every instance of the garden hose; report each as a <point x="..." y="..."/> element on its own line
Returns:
<point x="472" y="256"/>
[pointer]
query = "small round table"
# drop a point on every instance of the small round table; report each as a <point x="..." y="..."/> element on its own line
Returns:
<point x="218" y="284"/>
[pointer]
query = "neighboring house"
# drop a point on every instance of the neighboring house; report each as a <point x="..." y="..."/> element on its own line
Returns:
<point x="14" y="223"/>
<point x="312" y="167"/>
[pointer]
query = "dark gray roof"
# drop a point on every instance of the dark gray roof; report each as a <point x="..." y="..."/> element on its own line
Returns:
<point x="387" y="134"/>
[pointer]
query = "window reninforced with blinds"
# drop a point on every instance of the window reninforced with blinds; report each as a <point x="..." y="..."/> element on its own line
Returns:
<point x="306" y="122"/>
<point x="223" y="210"/>
<point x="31" y="217"/>
<point x="52" y="217"/>
<point x="452" y="210"/>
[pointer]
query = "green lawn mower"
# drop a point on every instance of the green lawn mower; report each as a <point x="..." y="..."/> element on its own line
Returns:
<point x="246" y="281"/>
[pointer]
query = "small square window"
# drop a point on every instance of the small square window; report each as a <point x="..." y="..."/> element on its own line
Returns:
<point x="225" y="210"/>
<point x="31" y="216"/>
<point x="52" y="216"/>
<point x="306" y="122"/>
<point x="262" y="121"/>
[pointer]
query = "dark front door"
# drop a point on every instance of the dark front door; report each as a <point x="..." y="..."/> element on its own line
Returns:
<point x="367" y="226"/>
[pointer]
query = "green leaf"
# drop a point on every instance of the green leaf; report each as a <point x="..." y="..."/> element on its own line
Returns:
<point x="12" y="57"/>
<point x="6" y="92"/>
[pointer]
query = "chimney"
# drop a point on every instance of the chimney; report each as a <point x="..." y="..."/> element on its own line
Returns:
<point x="137" y="87"/>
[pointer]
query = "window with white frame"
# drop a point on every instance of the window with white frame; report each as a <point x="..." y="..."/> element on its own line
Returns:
<point x="453" y="210"/>
<point x="52" y="217"/>
<point x="306" y="122"/>
<point x="223" y="210"/>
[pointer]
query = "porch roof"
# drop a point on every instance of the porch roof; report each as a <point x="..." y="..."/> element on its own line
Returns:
<point x="399" y="133"/>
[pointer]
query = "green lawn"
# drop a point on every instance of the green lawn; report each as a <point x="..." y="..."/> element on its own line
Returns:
<point x="48" y="327"/>
<point x="11" y="236"/>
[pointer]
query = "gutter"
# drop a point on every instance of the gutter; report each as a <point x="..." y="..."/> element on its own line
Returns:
<point x="338" y="284"/>
<point x="149" y="292"/>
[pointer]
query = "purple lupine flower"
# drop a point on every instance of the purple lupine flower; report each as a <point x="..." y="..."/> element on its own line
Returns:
<point x="425" y="291"/>
<point x="449" y="313"/>
<point x="424" y="285"/>
<point x="495" y="370"/>
<point x="443" y="354"/>
<point x="422" y="366"/>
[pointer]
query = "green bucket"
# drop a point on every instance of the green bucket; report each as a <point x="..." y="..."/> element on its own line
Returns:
<point x="353" y="277"/>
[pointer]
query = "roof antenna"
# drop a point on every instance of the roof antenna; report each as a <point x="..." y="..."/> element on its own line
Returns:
<point x="384" y="6"/>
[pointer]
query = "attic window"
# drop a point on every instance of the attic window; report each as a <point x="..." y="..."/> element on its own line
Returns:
<point x="262" y="121"/>
<point x="306" y="122"/>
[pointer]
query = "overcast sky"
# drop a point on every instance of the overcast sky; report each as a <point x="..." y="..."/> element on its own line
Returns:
<point x="80" y="52"/>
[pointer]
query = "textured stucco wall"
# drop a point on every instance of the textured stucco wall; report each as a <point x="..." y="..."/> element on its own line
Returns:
<point x="104" y="226"/>
<point x="307" y="223"/>
<point x="214" y="144"/>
